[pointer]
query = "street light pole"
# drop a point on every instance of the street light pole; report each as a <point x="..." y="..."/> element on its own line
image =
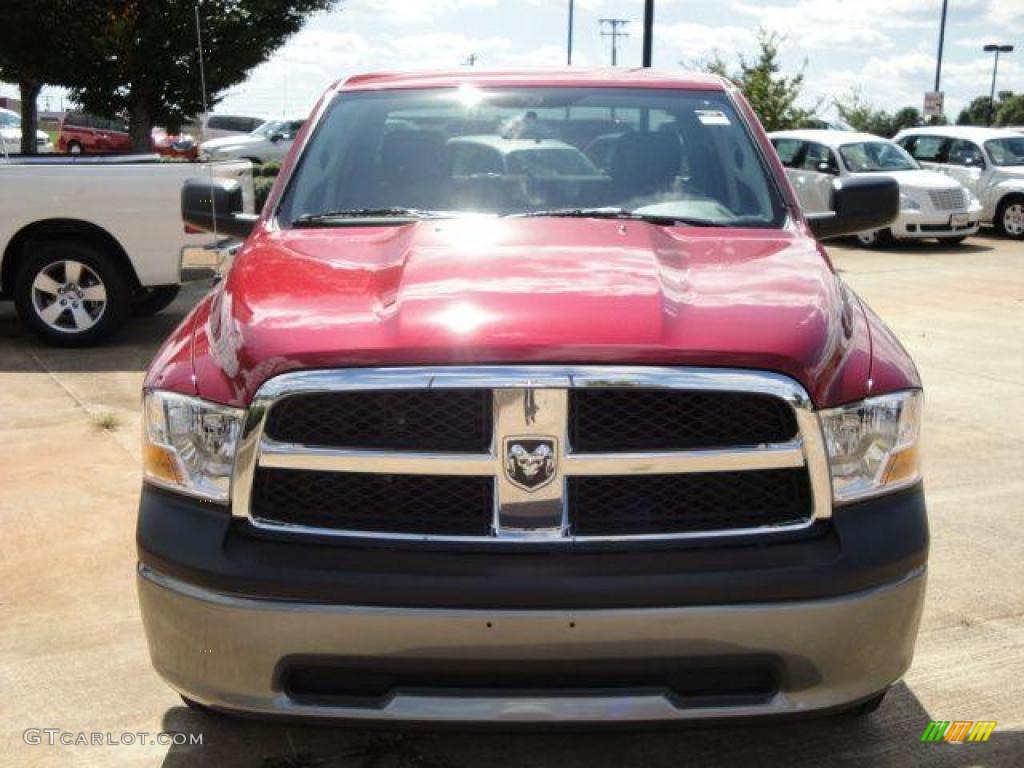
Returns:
<point x="997" y="49"/>
<point x="942" y="39"/>
<point x="568" y="61"/>
<point x="648" y="32"/>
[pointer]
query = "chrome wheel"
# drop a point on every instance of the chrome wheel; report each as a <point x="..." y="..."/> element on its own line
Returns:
<point x="68" y="296"/>
<point x="74" y="148"/>
<point x="1013" y="219"/>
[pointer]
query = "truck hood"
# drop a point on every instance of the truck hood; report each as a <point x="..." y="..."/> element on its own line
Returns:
<point x="536" y="290"/>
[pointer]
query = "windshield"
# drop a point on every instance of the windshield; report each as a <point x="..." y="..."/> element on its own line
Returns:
<point x="874" y="156"/>
<point x="1006" y="151"/>
<point x="554" y="151"/>
<point x="268" y="128"/>
<point x="7" y="120"/>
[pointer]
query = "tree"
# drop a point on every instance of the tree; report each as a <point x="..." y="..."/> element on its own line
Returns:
<point x="1008" y="109"/>
<point x="1011" y="109"/>
<point x="146" y="62"/>
<point x="771" y="95"/>
<point x="52" y="38"/>
<point x="854" y="110"/>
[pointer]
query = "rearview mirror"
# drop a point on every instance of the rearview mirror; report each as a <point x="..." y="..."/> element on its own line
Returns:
<point x="858" y="205"/>
<point x="215" y="205"/>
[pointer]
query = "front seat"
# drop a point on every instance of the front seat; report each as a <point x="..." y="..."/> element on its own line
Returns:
<point x="645" y="163"/>
<point x="411" y="168"/>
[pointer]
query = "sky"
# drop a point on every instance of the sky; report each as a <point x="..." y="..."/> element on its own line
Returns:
<point x="886" y="49"/>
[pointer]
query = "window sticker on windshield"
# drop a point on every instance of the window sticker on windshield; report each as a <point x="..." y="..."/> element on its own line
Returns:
<point x="711" y="117"/>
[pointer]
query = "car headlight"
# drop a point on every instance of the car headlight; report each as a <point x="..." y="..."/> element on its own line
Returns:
<point x="874" y="445"/>
<point x="908" y="204"/>
<point x="188" y="444"/>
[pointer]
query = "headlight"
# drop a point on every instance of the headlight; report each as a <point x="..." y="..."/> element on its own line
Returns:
<point x="873" y="445"/>
<point x="188" y="444"/>
<point x="908" y="204"/>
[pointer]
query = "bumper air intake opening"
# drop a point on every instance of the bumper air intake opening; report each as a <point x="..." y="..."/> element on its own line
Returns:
<point x="688" y="683"/>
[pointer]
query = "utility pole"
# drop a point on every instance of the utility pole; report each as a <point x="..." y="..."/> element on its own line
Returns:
<point x="568" y="47"/>
<point x="648" y="32"/>
<point x="997" y="49"/>
<point x="615" y="30"/>
<point x="470" y="60"/>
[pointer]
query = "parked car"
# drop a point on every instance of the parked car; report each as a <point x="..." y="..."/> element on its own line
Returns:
<point x="219" y="126"/>
<point x="540" y="447"/>
<point x="86" y="242"/>
<point x="268" y="143"/>
<point x="988" y="161"/>
<point x="82" y="133"/>
<point x="931" y="205"/>
<point x="181" y="145"/>
<point x="10" y="135"/>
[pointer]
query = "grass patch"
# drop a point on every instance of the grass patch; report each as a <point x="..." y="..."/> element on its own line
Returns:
<point x="108" y="422"/>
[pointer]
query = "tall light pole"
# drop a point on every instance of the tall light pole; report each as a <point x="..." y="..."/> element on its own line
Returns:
<point x="942" y="39"/>
<point x="568" y="47"/>
<point x="996" y="49"/>
<point x="648" y="32"/>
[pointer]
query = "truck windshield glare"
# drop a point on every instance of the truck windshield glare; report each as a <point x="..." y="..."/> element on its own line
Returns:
<point x="682" y="155"/>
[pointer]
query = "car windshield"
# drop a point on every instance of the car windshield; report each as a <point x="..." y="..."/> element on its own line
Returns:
<point x="7" y="120"/>
<point x="875" y="156"/>
<point x="268" y="128"/>
<point x="1006" y="151"/>
<point x="674" y="154"/>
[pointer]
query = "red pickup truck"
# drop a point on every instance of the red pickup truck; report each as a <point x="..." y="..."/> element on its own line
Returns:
<point x="532" y="397"/>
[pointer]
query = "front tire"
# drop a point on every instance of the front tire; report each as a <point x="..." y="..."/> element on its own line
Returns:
<point x="1010" y="217"/>
<point x="71" y="295"/>
<point x="877" y="238"/>
<point x="154" y="300"/>
<point x="74" y="148"/>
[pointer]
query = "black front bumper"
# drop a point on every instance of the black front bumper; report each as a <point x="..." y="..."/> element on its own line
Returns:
<point x="864" y="545"/>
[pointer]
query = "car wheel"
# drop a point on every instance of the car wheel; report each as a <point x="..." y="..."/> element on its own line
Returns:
<point x="875" y="238"/>
<point x="74" y="148"/>
<point x="70" y="294"/>
<point x="952" y="240"/>
<point x="154" y="300"/>
<point x="1010" y="219"/>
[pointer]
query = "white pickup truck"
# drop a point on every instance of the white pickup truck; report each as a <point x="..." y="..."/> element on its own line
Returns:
<point x="85" y="243"/>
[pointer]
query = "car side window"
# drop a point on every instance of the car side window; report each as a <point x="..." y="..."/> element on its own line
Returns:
<point x="966" y="153"/>
<point x="820" y="159"/>
<point x="788" y="150"/>
<point x="927" y="149"/>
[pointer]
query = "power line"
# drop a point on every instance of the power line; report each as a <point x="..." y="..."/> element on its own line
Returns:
<point x="614" y="28"/>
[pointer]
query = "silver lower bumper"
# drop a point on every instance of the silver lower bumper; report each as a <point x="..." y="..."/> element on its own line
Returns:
<point x="223" y="651"/>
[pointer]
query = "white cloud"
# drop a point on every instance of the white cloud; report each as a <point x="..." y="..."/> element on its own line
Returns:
<point x="1007" y="14"/>
<point x="691" y="42"/>
<point x="408" y="11"/>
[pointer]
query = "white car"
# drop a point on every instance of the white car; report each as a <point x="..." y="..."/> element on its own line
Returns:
<point x="10" y="135"/>
<point x="931" y="205"/>
<point x="85" y="243"/>
<point x="219" y="126"/>
<point x="270" y="142"/>
<point x="988" y="161"/>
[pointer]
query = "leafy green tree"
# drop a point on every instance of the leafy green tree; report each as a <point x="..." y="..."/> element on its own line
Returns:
<point x="862" y="116"/>
<point x="1010" y="110"/>
<point x="773" y="96"/>
<point x="41" y="43"/>
<point x="147" y="63"/>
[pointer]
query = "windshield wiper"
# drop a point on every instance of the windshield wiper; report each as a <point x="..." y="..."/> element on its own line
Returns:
<point x="660" y="219"/>
<point x="343" y="216"/>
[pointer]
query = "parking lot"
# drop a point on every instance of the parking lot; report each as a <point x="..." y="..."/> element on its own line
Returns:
<point x="73" y="655"/>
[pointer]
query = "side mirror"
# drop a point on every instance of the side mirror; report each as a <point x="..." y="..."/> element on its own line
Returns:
<point x="858" y="205"/>
<point x="215" y="205"/>
<point x="824" y="167"/>
<point x="276" y="137"/>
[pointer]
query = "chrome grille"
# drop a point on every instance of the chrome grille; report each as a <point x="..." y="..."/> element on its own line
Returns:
<point x="948" y="199"/>
<point x="543" y="454"/>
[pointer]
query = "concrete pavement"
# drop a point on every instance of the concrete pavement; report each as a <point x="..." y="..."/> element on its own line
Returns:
<point x="73" y="656"/>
